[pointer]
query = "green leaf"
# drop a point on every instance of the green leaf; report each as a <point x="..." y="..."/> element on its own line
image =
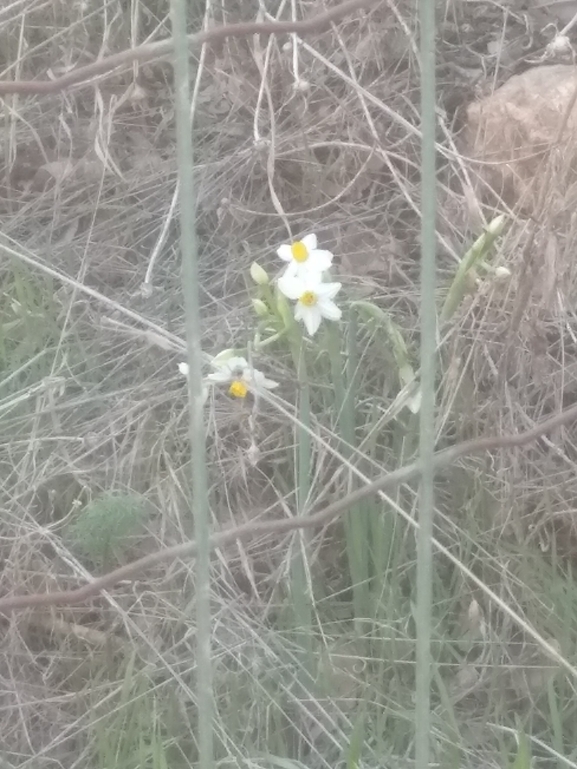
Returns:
<point x="523" y="758"/>
<point x="474" y="257"/>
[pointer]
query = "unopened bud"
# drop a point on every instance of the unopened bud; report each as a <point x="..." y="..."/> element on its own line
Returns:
<point x="502" y="273"/>
<point x="260" y="308"/>
<point x="259" y="275"/>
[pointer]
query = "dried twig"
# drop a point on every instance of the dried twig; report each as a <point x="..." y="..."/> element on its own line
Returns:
<point x="253" y="530"/>
<point x="163" y="48"/>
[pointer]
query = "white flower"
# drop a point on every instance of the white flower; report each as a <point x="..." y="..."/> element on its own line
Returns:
<point x="303" y="257"/>
<point x="226" y="369"/>
<point x="313" y="297"/>
<point x="234" y="371"/>
<point x="240" y="377"/>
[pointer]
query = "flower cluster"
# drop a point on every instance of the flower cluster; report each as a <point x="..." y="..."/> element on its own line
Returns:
<point x="302" y="282"/>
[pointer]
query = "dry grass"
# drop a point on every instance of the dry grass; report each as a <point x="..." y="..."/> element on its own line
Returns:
<point x="92" y="404"/>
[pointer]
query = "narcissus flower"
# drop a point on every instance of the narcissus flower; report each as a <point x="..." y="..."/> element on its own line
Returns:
<point x="239" y="376"/>
<point x="226" y="368"/>
<point x="314" y="299"/>
<point x="236" y="373"/>
<point x="304" y="257"/>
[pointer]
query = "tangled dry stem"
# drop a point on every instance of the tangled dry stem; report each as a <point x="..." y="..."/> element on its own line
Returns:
<point x="155" y="51"/>
<point x="253" y="530"/>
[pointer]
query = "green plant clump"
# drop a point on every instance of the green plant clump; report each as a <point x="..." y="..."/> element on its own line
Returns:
<point x="102" y="530"/>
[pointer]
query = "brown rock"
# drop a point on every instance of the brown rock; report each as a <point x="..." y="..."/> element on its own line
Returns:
<point x="523" y="137"/>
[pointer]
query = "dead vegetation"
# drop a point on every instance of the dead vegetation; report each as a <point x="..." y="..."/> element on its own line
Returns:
<point x="91" y="403"/>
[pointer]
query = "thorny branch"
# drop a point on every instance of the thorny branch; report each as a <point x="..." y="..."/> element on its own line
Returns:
<point x="163" y="48"/>
<point x="258" y="529"/>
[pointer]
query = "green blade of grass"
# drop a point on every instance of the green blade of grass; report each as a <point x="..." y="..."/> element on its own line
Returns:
<point x="356" y="522"/>
<point x="522" y="758"/>
<point x="300" y="587"/>
<point x="427" y="412"/>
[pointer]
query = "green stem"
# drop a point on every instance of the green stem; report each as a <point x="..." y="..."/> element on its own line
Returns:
<point x="190" y="274"/>
<point x="427" y="411"/>
<point x="301" y="589"/>
<point x="356" y="525"/>
<point x="269" y="340"/>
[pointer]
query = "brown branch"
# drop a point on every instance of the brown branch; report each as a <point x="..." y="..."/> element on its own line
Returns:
<point x="252" y="530"/>
<point x="163" y="48"/>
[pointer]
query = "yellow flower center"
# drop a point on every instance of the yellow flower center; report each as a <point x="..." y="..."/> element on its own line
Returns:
<point x="238" y="389"/>
<point x="309" y="299"/>
<point x="299" y="251"/>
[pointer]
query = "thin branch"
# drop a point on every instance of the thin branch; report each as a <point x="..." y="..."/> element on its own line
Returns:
<point x="164" y="48"/>
<point x="253" y="530"/>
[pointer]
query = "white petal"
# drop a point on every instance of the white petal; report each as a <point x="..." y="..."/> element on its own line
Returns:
<point x="322" y="260"/>
<point x="328" y="290"/>
<point x="220" y="377"/>
<point x="222" y="357"/>
<point x="310" y="280"/>
<point x="285" y="253"/>
<point x="310" y="316"/>
<point x="228" y="366"/>
<point x="183" y="368"/>
<point x="291" y="286"/>
<point x="260" y="380"/>
<point x="236" y="363"/>
<point x="329" y="310"/>
<point x="304" y="271"/>
<point x="414" y="403"/>
<point x="310" y="242"/>
<point x="293" y="270"/>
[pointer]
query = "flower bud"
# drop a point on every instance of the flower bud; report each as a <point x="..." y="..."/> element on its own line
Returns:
<point x="496" y="225"/>
<point x="259" y="275"/>
<point x="260" y="308"/>
<point x="502" y="273"/>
